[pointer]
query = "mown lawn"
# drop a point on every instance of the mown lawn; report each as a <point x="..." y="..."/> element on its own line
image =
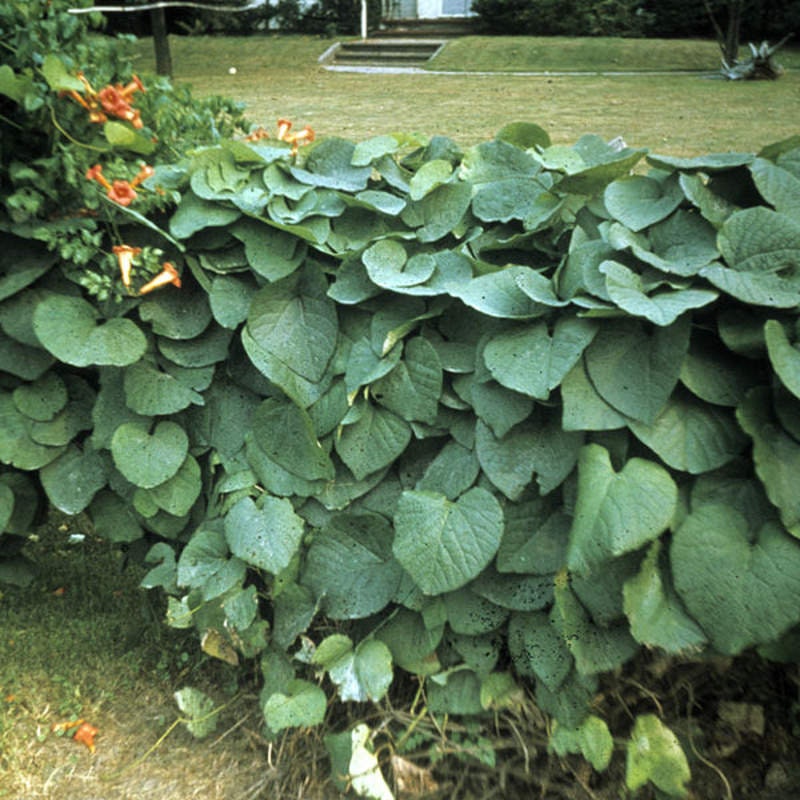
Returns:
<point x="675" y="114"/>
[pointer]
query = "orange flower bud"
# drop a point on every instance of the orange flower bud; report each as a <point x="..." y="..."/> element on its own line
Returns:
<point x="125" y="255"/>
<point x="95" y="173"/>
<point x="168" y="275"/>
<point x="144" y="173"/>
<point x="284" y="126"/>
<point x="135" y="85"/>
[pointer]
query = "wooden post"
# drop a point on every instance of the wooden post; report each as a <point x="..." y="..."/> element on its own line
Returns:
<point x="158" y="22"/>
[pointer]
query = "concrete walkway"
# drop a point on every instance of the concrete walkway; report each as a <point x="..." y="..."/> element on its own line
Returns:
<point x="378" y="70"/>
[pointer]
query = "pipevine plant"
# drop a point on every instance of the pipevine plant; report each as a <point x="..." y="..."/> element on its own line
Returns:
<point x="506" y="416"/>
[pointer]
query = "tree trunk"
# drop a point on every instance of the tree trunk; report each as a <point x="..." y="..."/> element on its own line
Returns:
<point x="728" y="39"/>
<point x="158" y="22"/>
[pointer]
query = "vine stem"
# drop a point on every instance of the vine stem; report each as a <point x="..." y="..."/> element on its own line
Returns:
<point x="67" y="135"/>
<point x="161" y="739"/>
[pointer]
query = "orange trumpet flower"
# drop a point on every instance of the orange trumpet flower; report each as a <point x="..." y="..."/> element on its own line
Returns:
<point x="125" y="255"/>
<point x="168" y="275"/>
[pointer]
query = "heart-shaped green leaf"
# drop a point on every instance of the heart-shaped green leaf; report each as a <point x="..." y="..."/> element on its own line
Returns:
<point x="67" y="328"/>
<point x="626" y="289"/>
<point x="638" y="201"/>
<point x="42" y="399"/>
<point x="201" y="716"/>
<point x="443" y="545"/>
<point x="373" y="442"/>
<point x="692" y="436"/>
<point x="742" y="589"/>
<point x="635" y="371"/>
<point x="148" y="459"/>
<point x="655" y="613"/>
<point x="531" y="361"/>
<point x="284" y="431"/>
<point x="617" y="512"/>
<point x="302" y="705"/>
<point x="350" y="566"/>
<point x="266" y="535"/>
<point x="72" y="480"/>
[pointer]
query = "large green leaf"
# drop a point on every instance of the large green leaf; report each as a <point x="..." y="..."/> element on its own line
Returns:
<point x="24" y="261"/>
<point x="776" y="456"/>
<point x="284" y="431"/>
<point x="714" y="374"/>
<point x="67" y="328"/>
<point x="115" y="521"/>
<point x="266" y="534"/>
<point x="662" y="307"/>
<point x="205" y="563"/>
<point x="151" y="392"/>
<point x="617" y="512"/>
<point x="350" y="565"/>
<point x="761" y="249"/>
<point x="498" y="294"/>
<point x="302" y="705"/>
<point x="538" y="446"/>
<point x="42" y="399"/>
<point x="634" y="371"/>
<point x="583" y="408"/>
<point x="124" y="137"/>
<point x="691" y="436"/>
<point x="177" y="315"/>
<point x="655" y="613"/>
<point x="531" y="361"/>
<point x="294" y="328"/>
<point x="444" y="544"/>
<point x="148" y="458"/>
<point x="271" y="253"/>
<point x="412" y="643"/>
<point x="500" y="408"/>
<point x="412" y="389"/>
<point x="452" y="471"/>
<point x="470" y="614"/>
<point x="73" y="479"/>
<point x="779" y="187"/>
<point x="330" y="165"/>
<point x="535" y="538"/>
<point x="595" y="648"/>
<point x="639" y="201"/>
<point x="373" y="441"/>
<point x="538" y="649"/>
<point x="194" y="214"/>
<point x="741" y="588"/>
<point x="179" y="493"/>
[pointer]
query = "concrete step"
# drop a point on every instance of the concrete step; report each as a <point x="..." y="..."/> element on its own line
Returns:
<point x="385" y="52"/>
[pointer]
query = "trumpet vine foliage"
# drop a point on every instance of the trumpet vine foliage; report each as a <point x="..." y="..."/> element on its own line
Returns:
<point x="517" y="410"/>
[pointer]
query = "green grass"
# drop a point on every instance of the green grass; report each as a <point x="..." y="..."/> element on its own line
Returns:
<point x="670" y="114"/>
<point x="558" y="53"/>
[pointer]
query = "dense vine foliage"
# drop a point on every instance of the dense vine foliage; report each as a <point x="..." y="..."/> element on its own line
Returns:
<point x="504" y="416"/>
